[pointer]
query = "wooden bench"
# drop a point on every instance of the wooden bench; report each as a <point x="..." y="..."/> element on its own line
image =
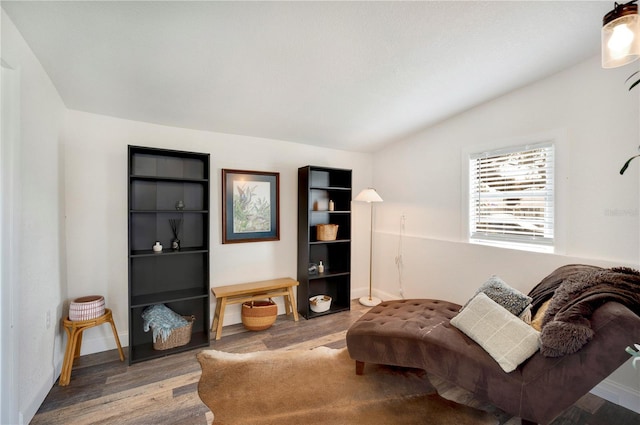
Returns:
<point x="243" y="292"/>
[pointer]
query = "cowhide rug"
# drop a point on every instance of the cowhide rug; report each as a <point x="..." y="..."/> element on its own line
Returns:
<point x="320" y="387"/>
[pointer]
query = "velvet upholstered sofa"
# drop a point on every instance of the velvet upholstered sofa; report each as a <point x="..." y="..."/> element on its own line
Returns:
<point x="590" y="316"/>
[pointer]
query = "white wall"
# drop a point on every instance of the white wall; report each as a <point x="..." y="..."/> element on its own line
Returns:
<point x="420" y="178"/>
<point x="96" y="207"/>
<point x="595" y="122"/>
<point x="37" y="273"/>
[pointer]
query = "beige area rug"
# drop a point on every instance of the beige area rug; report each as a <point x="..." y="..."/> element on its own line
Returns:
<point x="320" y="387"/>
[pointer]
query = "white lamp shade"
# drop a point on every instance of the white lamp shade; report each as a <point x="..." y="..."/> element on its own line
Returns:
<point x="621" y="36"/>
<point x="368" y="195"/>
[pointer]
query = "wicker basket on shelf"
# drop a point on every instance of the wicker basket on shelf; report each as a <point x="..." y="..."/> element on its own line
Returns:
<point x="178" y="337"/>
<point x="326" y="232"/>
<point x="259" y="315"/>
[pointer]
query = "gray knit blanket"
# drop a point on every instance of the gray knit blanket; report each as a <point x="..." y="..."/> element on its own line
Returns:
<point x="162" y="320"/>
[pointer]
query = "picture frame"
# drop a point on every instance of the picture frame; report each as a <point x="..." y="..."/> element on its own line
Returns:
<point x="250" y="206"/>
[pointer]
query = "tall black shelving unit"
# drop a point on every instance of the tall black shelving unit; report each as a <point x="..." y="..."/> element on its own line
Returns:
<point x="317" y="186"/>
<point x="158" y="180"/>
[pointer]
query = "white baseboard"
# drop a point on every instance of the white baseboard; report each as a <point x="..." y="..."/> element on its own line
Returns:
<point x="37" y="398"/>
<point x="102" y="343"/>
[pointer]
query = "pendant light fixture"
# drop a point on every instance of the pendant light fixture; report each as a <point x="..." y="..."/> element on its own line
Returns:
<point x="621" y="35"/>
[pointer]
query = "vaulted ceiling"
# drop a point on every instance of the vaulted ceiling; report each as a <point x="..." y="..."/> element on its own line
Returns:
<point x="346" y="75"/>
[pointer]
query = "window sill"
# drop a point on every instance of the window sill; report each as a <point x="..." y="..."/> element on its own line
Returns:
<point x="546" y="249"/>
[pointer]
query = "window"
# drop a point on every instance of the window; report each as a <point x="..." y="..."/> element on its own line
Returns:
<point x="511" y="197"/>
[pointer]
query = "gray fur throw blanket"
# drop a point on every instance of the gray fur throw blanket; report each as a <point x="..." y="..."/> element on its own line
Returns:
<point x="576" y="291"/>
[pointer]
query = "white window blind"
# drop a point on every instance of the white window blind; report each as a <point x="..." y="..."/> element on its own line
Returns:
<point x="511" y="197"/>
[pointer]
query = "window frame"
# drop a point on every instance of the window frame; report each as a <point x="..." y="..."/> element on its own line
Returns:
<point x="549" y="241"/>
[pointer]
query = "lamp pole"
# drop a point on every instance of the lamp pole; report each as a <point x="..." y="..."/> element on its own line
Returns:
<point x="370" y="196"/>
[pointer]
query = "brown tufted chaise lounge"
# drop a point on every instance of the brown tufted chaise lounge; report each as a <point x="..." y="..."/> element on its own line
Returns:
<point x="417" y="333"/>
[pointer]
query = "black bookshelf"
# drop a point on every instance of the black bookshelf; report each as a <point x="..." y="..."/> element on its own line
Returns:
<point x="317" y="186"/>
<point x="179" y="278"/>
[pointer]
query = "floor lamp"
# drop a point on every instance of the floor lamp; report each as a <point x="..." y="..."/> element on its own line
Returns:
<point x="369" y="196"/>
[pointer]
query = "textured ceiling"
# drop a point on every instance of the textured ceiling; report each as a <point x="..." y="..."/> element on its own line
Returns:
<point x="346" y="75"/>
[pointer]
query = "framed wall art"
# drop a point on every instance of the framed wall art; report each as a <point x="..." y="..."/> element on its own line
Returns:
<point x="250" y="206"/>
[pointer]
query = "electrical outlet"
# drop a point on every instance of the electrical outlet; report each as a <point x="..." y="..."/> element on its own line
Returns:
<point x="48" y="319"/>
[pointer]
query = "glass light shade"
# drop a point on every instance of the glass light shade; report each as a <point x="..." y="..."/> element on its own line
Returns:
<point x="368" y="195"/>
<point x="621" y="36"/>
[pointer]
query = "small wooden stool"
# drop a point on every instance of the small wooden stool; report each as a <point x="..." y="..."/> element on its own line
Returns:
<point x="74" y="341"/>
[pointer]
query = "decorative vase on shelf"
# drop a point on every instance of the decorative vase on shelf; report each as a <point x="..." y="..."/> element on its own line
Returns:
<point x="157" y="247"/>
<point x="179" y="205"/>
<point x="176" y="224"/>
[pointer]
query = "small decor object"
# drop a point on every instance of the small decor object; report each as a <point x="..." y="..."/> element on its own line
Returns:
<point x="331" y="205"/>
<point x="326" y="232"/>
<point x="179" y="205"/>
<point x="250" y="206"/>
<point x="86" y="308"/>
<point x="157" y="247"/>
<point x="175" y="224"/>
<point x="320" y="267"/>
<point x="259" y="315"/>
<point x="313" y="268"/>
<point x="634" y="354"/>
<point x="320" y="303"/>
<point x="170" y="330"/>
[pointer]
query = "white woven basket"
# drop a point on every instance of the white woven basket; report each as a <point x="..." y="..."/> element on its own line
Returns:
<point x="320" y="303"/>
<point x="86" y="308"/>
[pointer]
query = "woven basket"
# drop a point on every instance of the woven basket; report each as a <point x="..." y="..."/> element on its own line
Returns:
<point x="259" y="315"/>
<point x="320" y="303"/>
<point x="177" y="338"/>
<point x="86" y="308"/>
<point x="326" y="232"/>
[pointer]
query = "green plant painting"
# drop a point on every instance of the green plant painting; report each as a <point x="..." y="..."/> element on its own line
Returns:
<point x="251" y="207"/>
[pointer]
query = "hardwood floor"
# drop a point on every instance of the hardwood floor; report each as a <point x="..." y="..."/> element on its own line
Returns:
<point x="104" y="390"/>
